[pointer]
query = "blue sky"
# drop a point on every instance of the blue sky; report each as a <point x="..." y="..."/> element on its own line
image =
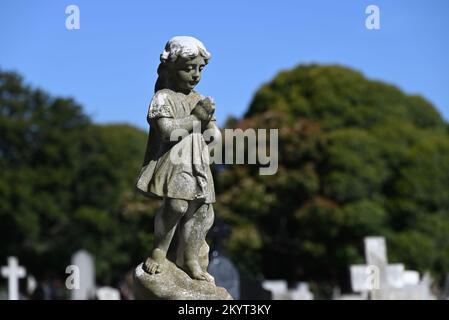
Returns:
<point x="109" y="64"/>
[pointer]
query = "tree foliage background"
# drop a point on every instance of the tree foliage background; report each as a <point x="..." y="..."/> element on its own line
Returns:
<point x="357" y="157"/>
<point x="66" y="184"/>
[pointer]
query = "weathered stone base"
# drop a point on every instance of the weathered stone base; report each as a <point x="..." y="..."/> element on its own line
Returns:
<point x="174" y="284"/>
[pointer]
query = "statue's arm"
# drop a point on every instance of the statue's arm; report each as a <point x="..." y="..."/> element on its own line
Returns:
<point x="213" y="134"/>
<point x="167" y="125"/>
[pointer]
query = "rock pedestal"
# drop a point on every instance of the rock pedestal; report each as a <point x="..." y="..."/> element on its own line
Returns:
<point x="174" y="284"/>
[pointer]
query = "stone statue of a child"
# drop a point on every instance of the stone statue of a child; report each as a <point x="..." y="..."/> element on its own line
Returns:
<point x="186" y="187"/>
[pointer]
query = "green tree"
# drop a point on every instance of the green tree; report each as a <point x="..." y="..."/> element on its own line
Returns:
<point x="67" y="184"/>
<point x="357" y="157"/>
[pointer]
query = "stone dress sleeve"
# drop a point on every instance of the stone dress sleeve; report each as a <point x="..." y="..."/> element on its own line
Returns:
<point x="160" y="106"/>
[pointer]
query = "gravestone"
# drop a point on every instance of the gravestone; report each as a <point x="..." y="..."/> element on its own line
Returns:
<point x="86" y="264"/>
<point x="225" y="274"/>
<point x="359" y="278"/>
<point x="387" y="281"/>
<point x="278" y="288"/>
<point x="301" y="292"/>
<point x="419" y="291"/>
<point x="107" y="293"/>
<point x="395" y="275"/>
<point x="13" y="272"/>
<point x="410" y="278"/>
<point x="31" y="285"/>
<point x="376" y="255"/>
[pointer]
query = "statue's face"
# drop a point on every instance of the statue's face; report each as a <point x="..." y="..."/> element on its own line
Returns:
<point x="187" y="73"/>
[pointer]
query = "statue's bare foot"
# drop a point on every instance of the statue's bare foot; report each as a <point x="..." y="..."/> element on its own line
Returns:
<point x="155" y="263"/>
<point x="194" y="270"/>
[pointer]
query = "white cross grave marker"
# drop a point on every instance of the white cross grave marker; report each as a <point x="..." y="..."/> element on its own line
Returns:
<point x="386" y="281"/>
<point x="13" y="272"/>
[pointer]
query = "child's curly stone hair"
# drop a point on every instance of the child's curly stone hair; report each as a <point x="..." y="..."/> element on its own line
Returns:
<point x="179" y="46"/>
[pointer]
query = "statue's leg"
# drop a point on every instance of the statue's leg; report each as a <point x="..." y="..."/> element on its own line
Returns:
<point x="193" y="232"/>
<point x="165" y="223"/>
<point x="204" y="249"/>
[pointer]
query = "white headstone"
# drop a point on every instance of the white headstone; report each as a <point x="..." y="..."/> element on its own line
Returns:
<point x="410" y="278"/>
<point x="393" y="282"/>
<point x="13" y="272"/>
<point x="302" y="292"/>
<point x="85" y="262"/>
<point x="376" y="255"/>
<point x="108" y="293"/>
<point x="420" y="291"/>
<point x="375" y="251"/>
<point x="31" y="284"/>
<point x="359" y="278"/>
<point x="278" y="288"/>
<point x="395" y="275"/>
<point x="425" y="285"/>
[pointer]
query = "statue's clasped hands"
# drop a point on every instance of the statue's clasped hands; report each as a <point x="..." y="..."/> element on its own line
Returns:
<point x="204" y="110"/>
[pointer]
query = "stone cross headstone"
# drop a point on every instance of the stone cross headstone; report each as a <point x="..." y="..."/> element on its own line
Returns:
<point x="13" y="272"/>
<point x="376" y="256"/>
<point x="387" y="281"/>
<point x="85" y="262"/>
<point x="225" y="274"/>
